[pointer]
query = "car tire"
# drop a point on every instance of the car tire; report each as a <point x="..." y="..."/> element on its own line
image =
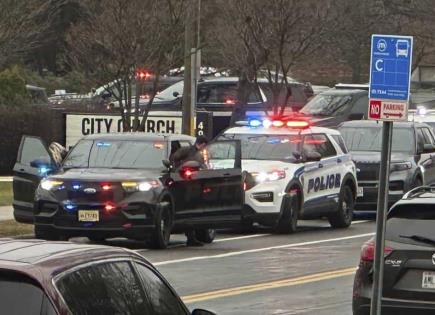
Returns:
<point x="288" y="221"/>
<point x="44" y="234"/>
<point x="346" y="204"/>
<point x="206" y="236"/>
<point x="247" y="225"/>
<point x="162" y="226"/>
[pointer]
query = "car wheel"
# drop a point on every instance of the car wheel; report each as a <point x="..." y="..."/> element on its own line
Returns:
<point x="346" y="203"/>
<point x="247" y="225"/>
<point x="162" y="229"/>
<point x="288" y="220"/>
<point x="49" y="235"/>
<point x="205" y="235"/>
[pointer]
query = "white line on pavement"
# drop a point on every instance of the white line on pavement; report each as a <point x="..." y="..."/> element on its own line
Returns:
<point x="257" y="250"/>
<point x="239" y="238"/>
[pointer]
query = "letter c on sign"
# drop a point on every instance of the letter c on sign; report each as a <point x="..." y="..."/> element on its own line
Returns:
<point x="378" y="65"/>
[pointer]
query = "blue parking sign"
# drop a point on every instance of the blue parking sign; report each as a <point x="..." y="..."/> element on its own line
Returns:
<point x="390" y="67"/>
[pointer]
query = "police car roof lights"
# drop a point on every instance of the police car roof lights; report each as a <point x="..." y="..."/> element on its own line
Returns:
<point x="276" y="123"/>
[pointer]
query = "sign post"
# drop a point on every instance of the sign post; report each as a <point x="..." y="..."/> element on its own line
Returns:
<point x="390" y="75"/>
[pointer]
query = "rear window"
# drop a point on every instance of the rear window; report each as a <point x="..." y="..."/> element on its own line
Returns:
<point x="14" y="289"/>
<point x="408" y="220"/>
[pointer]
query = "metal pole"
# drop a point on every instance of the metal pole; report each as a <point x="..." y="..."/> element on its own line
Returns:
<point x="384" y="179"/>
<point x="189" y="39"/>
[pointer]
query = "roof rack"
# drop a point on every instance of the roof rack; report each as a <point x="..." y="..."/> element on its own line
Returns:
<point x="419" y="191"/>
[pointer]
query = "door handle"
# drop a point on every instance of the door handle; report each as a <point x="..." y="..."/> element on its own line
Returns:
<point x="320" y="165"/>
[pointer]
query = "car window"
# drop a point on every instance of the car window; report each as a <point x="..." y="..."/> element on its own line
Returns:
<point x="217" y="93"/>
<point x="105" y="288"/>
<point x="428" y="137"/>
<point x="408" y="220"/>
<point x="14" y="289"/>
<point x="33" y="149"/>
<point x="319" y="143"/>
<point x="162" y="299"/>
<point x="361" y="106"/>
<point x="340" y="142"/>
<point x="326" y="104"/>
<point x="220" y="155"/>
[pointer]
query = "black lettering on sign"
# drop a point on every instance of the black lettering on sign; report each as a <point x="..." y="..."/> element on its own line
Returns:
<point x="99" y="120"/>
<point x="170" y="126"/>
<point x="151" y="126"/>
<point x="160" y="126"/>
<point x="85" y="128"/>
<point x="120" y="129"/>
<point x="108" y="123"/>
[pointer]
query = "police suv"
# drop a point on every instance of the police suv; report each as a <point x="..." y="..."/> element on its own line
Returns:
<point x="294" y="171"/>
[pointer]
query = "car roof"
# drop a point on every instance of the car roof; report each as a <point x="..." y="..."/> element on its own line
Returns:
<point x="280" y="131"/>
<point x="236" y="80"/>
<point x="342" y="91"/>
<point x="138" y="136"/>
<point x="45" y="259"/>
<point x="376" y="124"/>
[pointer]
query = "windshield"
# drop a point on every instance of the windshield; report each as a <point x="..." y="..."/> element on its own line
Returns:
<point x="327" y="104"/>
<point x="370" y="139"/>
<point x="168" y="93"/>
<point x="267" y="147"/>
<point x="116" y="154"/>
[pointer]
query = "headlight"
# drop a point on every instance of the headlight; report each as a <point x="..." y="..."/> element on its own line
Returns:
<point x="49" y="184"/>
<point x="395" y="167"/>
<point x="140" y="186"/>
<point x="268" y="176"/>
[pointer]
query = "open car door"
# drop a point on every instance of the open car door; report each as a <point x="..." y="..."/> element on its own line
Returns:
<point x="224" y="170"/>
<point x="33" y="163"/>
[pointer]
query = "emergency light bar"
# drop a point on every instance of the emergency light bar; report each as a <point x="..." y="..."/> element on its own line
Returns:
<point x="275" y="123"/>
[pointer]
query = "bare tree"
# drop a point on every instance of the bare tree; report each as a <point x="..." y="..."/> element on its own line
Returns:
<point x="24" y="26"/>
<point x="120" y="37"/>
<point x="267" y="38"/>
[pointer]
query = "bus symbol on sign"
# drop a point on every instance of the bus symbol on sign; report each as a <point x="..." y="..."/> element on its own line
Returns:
<point x="375" y="109"/>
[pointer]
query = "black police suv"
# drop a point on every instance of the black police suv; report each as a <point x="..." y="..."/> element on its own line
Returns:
<point x="112" y="185"/>
<point x="409" y="263"/>
<point x="412" y="158"/>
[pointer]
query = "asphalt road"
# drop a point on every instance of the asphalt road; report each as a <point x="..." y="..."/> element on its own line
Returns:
<point x="309" y="272"/>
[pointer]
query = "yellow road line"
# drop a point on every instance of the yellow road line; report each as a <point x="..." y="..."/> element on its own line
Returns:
<point x="268" y="285"/>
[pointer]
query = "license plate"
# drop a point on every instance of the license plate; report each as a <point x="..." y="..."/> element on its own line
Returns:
<point x="89" y="215"/>
<point x="428" y="281"/>
<point x="360" y="192"/>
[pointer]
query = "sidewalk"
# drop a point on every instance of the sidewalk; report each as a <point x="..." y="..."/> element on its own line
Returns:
<point x="6" y="213"/>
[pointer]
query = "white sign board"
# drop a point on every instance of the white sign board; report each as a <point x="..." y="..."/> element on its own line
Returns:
<point x="80" y="125"/>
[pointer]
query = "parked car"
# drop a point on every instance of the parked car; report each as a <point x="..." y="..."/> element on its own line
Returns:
<point x="412" y="158"/>
<point x="47" y="278"/>
<point x="409" y="259"/>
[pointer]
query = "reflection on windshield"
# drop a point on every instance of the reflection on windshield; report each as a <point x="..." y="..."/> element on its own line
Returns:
<point x="267" y="147"/>
<point x="370" y="139"/>
<point x="327" y="105"/>
<point x="116" y="154"/>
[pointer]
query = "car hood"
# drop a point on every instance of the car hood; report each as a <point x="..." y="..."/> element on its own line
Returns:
<point x="106" y="174"/>
<point x="268" y="166"/>
<point x="375" y="157"/>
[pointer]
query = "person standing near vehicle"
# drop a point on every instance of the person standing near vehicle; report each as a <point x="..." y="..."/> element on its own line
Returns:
<point x="187" y="154"/>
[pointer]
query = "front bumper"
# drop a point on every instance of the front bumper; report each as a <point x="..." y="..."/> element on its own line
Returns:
<point x="368" y="201"/>
<point x="134" y="220"/>
<point x="266" y="198"/>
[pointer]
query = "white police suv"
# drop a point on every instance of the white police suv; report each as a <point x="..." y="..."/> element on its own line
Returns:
<point x="294" y="171"/>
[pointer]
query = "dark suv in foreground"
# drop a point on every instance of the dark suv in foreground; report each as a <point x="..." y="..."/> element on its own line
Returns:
<point x="412" y="158"/>
<point x="409" y="274"/>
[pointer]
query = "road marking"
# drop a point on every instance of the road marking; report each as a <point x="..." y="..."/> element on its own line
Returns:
<point x="239" y="238"/>
<point x="257" y="250"/>
<point x="6" y="179"/>
<point x="269" y="285"/>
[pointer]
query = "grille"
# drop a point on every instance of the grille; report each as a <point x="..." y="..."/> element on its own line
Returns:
<point x="368" y="171"/>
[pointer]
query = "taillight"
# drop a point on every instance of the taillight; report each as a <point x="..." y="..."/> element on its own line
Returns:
<point x="109" y="207"/>
<point x="368" y="251"/>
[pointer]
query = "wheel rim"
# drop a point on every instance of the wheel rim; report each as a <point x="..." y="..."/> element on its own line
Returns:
<point x="346" y="205"/>
<point x="164" y="225"/>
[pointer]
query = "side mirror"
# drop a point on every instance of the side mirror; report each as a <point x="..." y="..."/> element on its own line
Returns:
<point x="167" y="164"/>
<point x="199" y="311"/>
<point x="356" y="116"/>
<point x="429" y="148"/>
<point x="175" y="94"/>
<point x="312" y="156"/>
